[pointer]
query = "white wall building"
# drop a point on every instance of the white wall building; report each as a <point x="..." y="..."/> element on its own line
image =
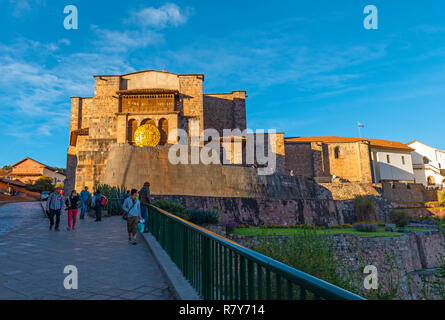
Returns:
<point x="428" y="164"/>
<point x="391" y="163"/>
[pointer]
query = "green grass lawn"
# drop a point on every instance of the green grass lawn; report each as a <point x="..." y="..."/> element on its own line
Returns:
<point x="291" y="232"/>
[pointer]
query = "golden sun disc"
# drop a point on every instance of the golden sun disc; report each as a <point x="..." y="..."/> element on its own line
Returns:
<point x="147" y="135"/>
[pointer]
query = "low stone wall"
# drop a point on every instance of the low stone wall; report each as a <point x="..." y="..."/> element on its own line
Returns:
<point x="424" y="212"/>
<point x="413" y="192"/>
<point x="347" y="190"/>
<point x="256" y="212"/>
<point x="397" y="258"/>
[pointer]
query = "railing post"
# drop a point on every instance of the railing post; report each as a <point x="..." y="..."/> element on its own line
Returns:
<point x="207" y="268"/>
<point x="243" y="282"/>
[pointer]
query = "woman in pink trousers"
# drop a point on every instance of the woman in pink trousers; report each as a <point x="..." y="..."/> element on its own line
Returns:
<point x="72" y="203"/>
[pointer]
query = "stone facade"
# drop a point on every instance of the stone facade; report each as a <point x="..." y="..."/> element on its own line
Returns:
<point x="109" y="117"/>
<point x="28" y="171"/>
<point x="413" y="192"/>
<point x="131" y="166"/>
<point x="260" y="211"/>
<point x="349" y="161"/>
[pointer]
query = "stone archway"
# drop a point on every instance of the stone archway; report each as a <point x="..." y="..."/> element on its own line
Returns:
<point x="131" y="129"/>
<point x="430" y="181"/>
<point x="163" y="129"/>
<point x="148" y="121"/>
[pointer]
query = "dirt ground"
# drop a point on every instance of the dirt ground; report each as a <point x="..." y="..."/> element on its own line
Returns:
<point x="19" y="198"/>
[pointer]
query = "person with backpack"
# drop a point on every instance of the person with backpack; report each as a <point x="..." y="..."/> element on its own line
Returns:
<point x="54" y="206"/>
<point x="85" y="196"/>
<point x="144" y="197"/>
<point x="132" y="213"/>
<point x="96" y="203"/>
<point x="72" y="204"/>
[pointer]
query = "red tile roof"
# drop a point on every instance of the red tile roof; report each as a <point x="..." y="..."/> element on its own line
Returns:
<point x="333" y="139"/>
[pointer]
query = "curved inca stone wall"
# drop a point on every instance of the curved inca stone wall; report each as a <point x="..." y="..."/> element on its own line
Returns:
<point x="131" y="166"/>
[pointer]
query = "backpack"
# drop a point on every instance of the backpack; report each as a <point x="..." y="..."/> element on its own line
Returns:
<point x="103" y="201"/>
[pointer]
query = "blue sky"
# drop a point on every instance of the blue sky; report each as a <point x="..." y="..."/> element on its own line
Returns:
<point x="309" y="67"/>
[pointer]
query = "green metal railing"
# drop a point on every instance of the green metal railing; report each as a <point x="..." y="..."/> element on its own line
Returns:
<point x="220" y="269"/>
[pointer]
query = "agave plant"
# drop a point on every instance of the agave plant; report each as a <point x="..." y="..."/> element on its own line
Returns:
<point x="114" y="195"/>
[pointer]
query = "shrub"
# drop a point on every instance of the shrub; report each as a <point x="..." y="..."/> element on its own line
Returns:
<point x="364" y="208"/>
<point x="203" y="216"/>
<point x="173" y="208"/>
<point x="230" y="226"/>
<point x="114" y="195"/>
<point x="365" y="227"/>
<point x="442" y="198"/>
<point x="44" y="183"/>
<point x="400" y="218"/>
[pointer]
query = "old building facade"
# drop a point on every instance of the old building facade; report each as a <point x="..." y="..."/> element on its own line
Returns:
<point x="349" y="159"/>
<point x="29" y="170"/>
<point x="122" y="103"/>
<point x="429" y="164"/>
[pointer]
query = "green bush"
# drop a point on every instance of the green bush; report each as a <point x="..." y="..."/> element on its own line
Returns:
<point x="44" y="183"/>
<point x="365" y="227"/>
<point x="172" y="207"/>
<point x="400" y="218"/>
<point x="203" y="216"/>
<point x="309" y="252"/>
<point x="364" y="208"/>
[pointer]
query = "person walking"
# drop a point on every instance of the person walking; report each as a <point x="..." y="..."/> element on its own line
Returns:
<point x="72" y="203"/>
<point x="97" y="200"/>
<point x="54" y="206"/>
<point x="144" y="198"/>
<point x="85" y="196"/>
<point x="132" y="209"/>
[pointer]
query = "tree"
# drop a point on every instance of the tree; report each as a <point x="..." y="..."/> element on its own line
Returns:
<point x="44" y="183"/>
<point x="7" y="168"/>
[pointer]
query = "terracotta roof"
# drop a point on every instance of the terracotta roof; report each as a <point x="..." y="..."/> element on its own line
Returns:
<point x="15" y="182"/>
<point x="333" y="139"/>
<point x="44" y="165"/>
<point x="147" y="91"/>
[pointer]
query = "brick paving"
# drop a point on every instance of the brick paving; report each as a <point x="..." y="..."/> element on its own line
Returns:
<point x="32" y="259"/>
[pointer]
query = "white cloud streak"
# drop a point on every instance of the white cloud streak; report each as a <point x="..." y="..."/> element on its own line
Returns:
<point x="167" y="15"/>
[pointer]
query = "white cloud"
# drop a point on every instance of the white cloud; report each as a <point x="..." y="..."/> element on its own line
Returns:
<point x="168" y="14"/>
<point x="122" y="41"/>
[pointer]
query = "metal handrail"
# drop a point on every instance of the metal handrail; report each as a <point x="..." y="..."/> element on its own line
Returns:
<point x="294" y="277"/>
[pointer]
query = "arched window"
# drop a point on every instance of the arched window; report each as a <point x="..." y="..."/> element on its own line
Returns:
<point x="148" y="121"/>
<point x="430" y="181"/>
<point x="163" y="129"/>
<point x="426" y="160"/>
<point x="337" y="152"/>
<point x="131" y="129"/>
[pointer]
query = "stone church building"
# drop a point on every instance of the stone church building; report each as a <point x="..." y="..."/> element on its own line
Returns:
<point x="122" y="103"/>
<point x="104" y="147"/>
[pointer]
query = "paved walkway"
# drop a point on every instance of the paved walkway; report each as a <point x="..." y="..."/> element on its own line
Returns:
<point x="32" y="259"/>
